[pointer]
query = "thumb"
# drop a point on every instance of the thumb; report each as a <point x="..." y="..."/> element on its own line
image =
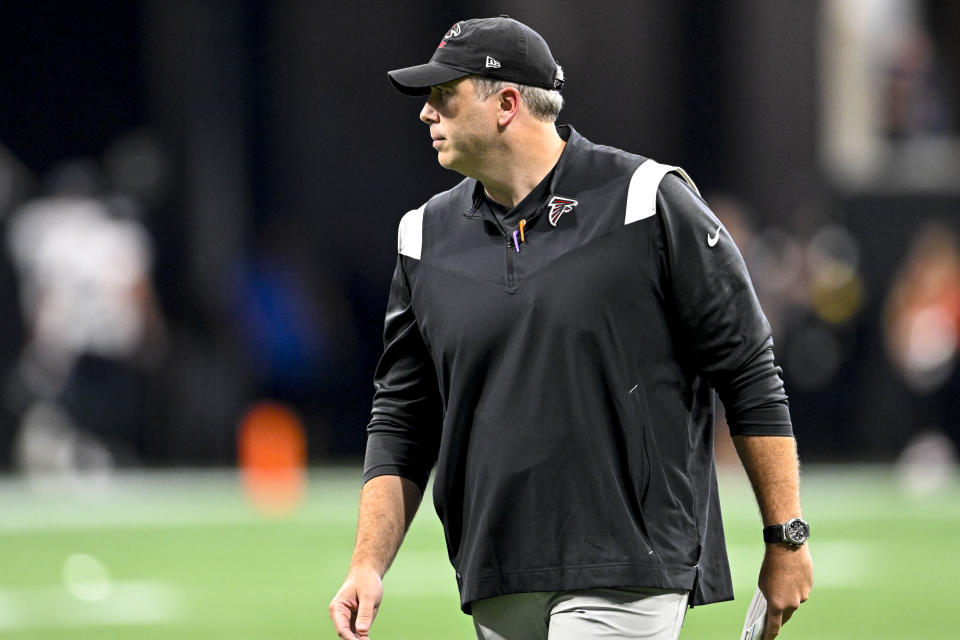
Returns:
<point x="365" y="614"/>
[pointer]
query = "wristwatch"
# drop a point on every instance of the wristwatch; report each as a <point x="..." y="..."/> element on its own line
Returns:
<point x="794" y="532"/>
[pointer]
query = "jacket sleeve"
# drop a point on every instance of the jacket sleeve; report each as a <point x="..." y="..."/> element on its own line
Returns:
<point x="724" y="331"/>
<point x="403" y="436"/>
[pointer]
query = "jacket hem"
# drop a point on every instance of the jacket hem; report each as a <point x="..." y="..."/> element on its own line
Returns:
<point x="583" y="577"/>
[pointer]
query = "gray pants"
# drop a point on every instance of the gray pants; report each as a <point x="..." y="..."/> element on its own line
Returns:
<point x="611" y="614"/>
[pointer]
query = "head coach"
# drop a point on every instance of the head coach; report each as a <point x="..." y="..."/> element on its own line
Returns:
<point x="556" y="328"/>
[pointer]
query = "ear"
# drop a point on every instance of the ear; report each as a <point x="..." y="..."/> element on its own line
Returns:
<point x="508" y="105"/>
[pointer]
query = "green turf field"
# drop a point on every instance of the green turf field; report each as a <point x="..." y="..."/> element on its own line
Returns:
<point x="182" y="555"/>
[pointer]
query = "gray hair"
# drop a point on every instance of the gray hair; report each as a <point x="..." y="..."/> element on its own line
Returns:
<point x="543" y="104"/>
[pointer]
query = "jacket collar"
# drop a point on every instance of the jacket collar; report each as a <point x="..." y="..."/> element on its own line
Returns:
<point x="575" y="143"/>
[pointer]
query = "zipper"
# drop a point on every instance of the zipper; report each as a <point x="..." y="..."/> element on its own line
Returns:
<point x="514" y="240"/>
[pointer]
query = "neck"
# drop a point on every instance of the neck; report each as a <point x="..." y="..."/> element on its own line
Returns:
<point x="523" y="161"/>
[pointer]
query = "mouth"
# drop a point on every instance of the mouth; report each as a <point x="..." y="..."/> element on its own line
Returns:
<point x="437" y="140"/>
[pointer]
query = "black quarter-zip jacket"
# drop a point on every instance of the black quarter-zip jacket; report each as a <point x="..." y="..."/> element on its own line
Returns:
<point x="563" y="384"/>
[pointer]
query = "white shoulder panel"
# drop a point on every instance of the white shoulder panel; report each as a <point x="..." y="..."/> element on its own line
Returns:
<point x="410" y="234"/>
<point x="642" y="194"/>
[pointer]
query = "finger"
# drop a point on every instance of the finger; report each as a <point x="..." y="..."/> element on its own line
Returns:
<point x="365" y="615"/>
<point x="341" y="615"/>
<point x="774" y="622"/>
<point x="787" y="614"/>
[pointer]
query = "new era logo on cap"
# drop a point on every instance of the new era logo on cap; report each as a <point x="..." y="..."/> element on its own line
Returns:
<point x="492" y="64"/>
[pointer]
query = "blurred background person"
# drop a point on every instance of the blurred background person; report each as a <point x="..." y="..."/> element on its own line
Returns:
<point x="922" y="335"/>
<point x="96" y="336"/>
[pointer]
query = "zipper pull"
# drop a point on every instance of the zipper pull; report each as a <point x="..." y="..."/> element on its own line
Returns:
<point x="516" y="244"/>
<point x="523" y="223"/>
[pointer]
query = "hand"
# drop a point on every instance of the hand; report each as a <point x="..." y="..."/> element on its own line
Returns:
<point x="786" y="578"/>
<point x="355" y="605"/>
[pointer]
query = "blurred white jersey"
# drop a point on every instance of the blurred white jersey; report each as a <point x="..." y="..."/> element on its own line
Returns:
<point x="83" y="275"/>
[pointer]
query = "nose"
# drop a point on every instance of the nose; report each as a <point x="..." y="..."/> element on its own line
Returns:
<point x="428" y="114"/>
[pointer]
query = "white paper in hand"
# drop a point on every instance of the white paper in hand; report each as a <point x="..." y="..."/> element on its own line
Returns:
<point x="756" y="620"/>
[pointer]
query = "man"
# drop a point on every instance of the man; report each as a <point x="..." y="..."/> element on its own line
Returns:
<point x="557" y="325"/>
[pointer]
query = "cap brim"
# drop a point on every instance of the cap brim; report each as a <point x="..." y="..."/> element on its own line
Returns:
<point x="416" y="81"/>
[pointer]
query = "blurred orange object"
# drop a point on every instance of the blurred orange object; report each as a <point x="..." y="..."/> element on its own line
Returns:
<point x="272" y="457"/>
<point x="922" y="314"/>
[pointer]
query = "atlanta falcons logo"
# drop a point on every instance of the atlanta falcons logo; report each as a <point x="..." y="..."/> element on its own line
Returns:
<point x="452" y="33"/>
<point x="559" y="206"/>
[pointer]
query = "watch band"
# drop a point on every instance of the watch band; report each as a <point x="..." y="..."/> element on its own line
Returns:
<point x="774" y="533"/>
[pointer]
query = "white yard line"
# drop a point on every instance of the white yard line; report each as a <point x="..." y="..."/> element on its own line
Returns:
<point x="161" y="499"/>
<point x="128" y="604"/>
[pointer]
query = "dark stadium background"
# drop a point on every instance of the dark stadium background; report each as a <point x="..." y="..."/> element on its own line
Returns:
<point x="287" y="160"/>
<point x="198" y="209"/>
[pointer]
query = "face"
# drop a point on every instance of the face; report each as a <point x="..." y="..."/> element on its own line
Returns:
<point x="461" y="128"/>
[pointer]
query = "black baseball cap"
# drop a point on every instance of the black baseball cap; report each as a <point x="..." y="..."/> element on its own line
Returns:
<point x="500" y="48"/>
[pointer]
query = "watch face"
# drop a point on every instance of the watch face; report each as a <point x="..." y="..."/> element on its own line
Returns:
<point x="796" y="531"/>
